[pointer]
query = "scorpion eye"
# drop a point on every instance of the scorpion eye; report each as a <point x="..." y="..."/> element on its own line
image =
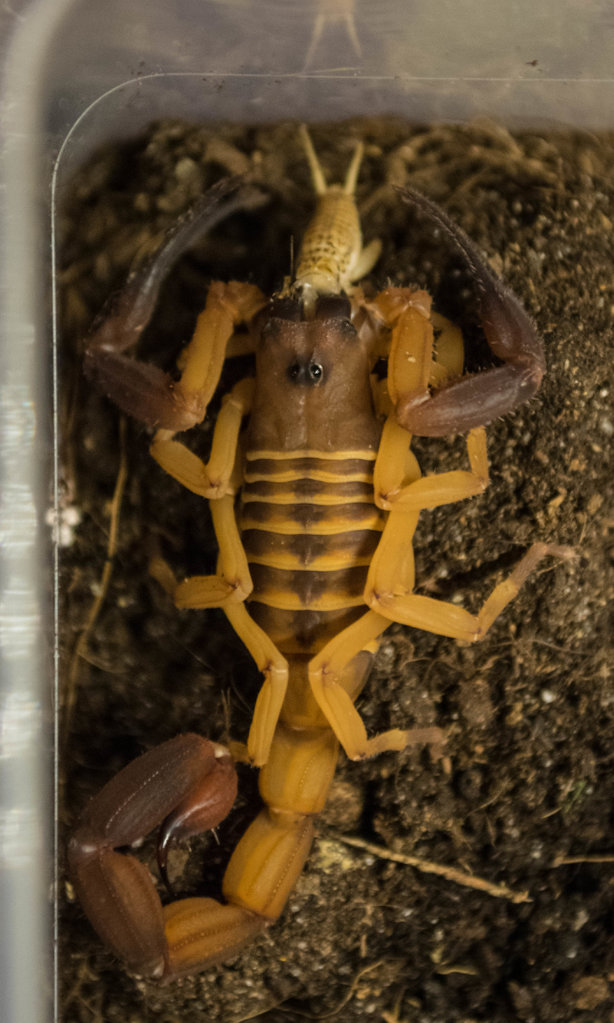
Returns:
<point x="305" y="373"/>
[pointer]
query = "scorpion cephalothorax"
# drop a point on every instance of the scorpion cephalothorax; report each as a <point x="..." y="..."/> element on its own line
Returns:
<point x="314" y="513"/>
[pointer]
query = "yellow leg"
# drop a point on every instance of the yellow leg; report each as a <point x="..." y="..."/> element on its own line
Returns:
<point x="151" y="395"/>
<point x="209" y="591"/>
<point x="333" y="690"/>
<point x="397" y="475"/>
<point x="212" y="480"/>
<point x="410" y="358"/>
<point x="233" y="582"/>
<point x="395" y="466"/>
<point x="397" y="479"/>
<point x="449" y="348"/>
<point x="228" y="590"/>
<point x="415" y="360"/>
<point x="401" y="490"/>
<point x="445" y="619"/>
<point x="201" y="364"/>
<point x="202" y="361"/>
<point x="271" y="696"/>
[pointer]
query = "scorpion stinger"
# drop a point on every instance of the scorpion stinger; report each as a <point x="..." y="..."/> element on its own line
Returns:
<point x="314" y="514"/>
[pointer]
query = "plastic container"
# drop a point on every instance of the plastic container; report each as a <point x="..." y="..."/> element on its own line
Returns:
<point x="78" y="73"/>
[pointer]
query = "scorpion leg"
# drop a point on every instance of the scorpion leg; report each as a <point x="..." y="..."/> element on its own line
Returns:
<point x="186" y="785"/>
<point x="218" y="481"/>
<point x="401" y="489"/>
<point x="410" y="365"/>
<point x="141" y="389"/>
<point x="228" y="591"/>
<point x="475" y="400"/>
<point x="333" y="687"/>
<point x="449" y="360"/>
<point x="397" y="477"/>
<point x="391" y="596"/>
<point x="274" y="667"/>
<point x="212" y="480"/>
<point x="233" y="582"/>
<point x="229" y="588"/>
<point x="391" y="574"/>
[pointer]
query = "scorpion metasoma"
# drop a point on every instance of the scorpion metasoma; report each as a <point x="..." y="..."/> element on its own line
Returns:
<point x="314" y="502"/>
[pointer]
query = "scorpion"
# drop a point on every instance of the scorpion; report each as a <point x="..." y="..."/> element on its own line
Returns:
<point x="314" y="503"/>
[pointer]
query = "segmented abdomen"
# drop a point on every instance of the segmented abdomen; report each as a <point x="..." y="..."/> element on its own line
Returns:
<point x="309" y="527"/>
<point x="332" y="241"/>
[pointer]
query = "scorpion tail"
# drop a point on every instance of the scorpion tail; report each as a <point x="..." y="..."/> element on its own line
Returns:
<point x="261" y="875"/>
<point x="202" y="932"/>
<point x="268" y="860"/>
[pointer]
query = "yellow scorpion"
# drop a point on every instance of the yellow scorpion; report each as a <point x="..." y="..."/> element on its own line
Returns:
<point x="315" y="497"/>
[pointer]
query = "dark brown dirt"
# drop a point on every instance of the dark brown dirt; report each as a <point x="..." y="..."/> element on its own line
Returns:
<point x="524" y="797"/>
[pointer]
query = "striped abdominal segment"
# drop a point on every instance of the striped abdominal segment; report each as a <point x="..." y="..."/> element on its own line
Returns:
<point x="309" y="527"/>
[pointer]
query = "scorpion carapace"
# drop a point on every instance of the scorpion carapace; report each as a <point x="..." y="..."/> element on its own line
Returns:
<point x="314" y="503"/>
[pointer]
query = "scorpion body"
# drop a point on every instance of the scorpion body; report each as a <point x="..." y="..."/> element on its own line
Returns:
<point x="314" y="510"/>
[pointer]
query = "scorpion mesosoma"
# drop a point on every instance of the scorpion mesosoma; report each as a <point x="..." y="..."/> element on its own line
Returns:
<point x="314" y="507"/>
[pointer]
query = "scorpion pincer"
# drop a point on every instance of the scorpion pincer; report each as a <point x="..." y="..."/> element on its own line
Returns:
<point x="314" y="513"/>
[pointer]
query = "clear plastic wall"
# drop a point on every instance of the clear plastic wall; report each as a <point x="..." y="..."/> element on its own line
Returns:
<point x="78" y="73"/>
